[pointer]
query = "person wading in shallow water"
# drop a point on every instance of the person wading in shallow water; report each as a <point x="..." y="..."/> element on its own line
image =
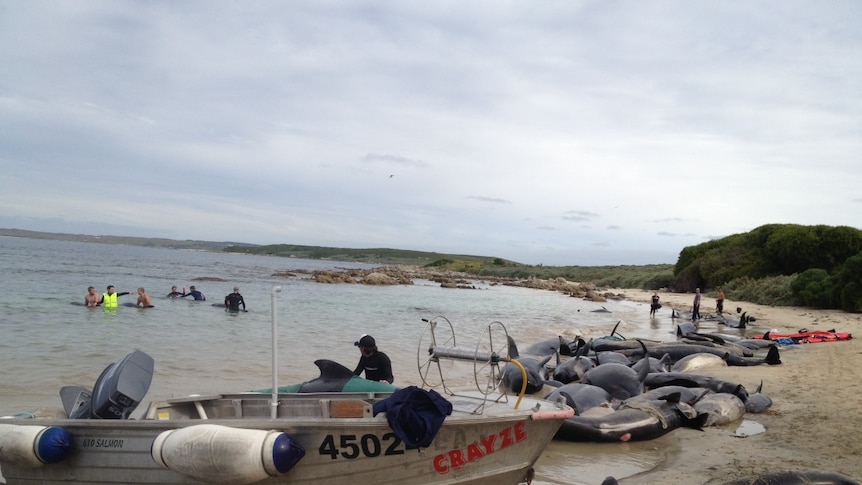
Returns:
<point x="655" y="305"/>
<point x="109" y="299"/>
<point x="92" y="298"/>
<point x="197" y="295"/>
<point x="144" y="299"/>
<point x="719" y="301"/>
<point x="695" y="308"/>
<point x="234" y="300"/>
<point x="375" y="364"/>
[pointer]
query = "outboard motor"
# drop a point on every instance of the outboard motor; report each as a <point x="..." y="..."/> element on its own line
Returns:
<point x="118" y="391"/>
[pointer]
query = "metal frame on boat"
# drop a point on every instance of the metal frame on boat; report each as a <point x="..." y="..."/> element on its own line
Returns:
<point x="320" y="438"/>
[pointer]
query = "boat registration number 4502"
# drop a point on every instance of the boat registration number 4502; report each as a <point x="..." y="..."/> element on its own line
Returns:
<point x="351" y="446"/>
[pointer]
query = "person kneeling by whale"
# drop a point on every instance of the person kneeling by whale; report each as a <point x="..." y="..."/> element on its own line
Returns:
<point x="376" y="364"/>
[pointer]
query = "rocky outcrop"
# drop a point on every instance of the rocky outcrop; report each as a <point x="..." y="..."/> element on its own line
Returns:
<point x="378" y="278"/>
<point x="405" y="275"/>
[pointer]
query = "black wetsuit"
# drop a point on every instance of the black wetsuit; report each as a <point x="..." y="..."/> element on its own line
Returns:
<point x="233" y="301"/>
<point x="175" y="294"/>
<point x="197" y="295"/>
<point x="378" y="367"/>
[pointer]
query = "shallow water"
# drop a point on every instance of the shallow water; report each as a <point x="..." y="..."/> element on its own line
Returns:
<point x="49" y="342"/>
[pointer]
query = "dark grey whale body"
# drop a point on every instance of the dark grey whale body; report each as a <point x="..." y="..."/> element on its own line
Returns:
<point x="795" y="478"/>
<point x="647" y="421"/>
<point x="513" y="379"/>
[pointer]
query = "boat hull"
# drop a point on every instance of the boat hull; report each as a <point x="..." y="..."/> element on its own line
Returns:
<point x="496" y="447"/>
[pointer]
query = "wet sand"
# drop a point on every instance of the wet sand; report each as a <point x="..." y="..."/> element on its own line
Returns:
<point x="815" y="422"/>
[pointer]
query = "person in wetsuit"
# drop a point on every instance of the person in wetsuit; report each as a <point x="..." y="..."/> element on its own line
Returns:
<point x="375" y="364"/>
<point x="174" y="293"/>
<point x="234" y="300"/>
<point x="197" y="295"/>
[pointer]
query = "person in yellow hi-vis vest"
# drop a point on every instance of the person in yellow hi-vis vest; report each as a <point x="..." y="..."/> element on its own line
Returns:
<point x="109" y="299"/>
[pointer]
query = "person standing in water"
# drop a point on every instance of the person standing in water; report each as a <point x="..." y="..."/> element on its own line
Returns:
<point x="719" y="301"/>
<point x="655" y="304"/>
<point x="174" y="293"/>
<point x="109" y="298"/>
<point x="695" y="308"/>
<point x="234" y="300"/>
<point x="92" y="298"/>
<point x="144" y="299"/>
<point x="197" y="295"/>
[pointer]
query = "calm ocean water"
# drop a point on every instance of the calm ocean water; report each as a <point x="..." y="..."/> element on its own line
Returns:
<point x="49" y="342"/>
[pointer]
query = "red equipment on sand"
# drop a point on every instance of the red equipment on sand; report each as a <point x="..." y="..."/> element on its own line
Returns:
<point x="805" y="336"/>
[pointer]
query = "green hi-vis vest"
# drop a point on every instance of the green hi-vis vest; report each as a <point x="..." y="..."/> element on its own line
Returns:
<point x="109" y="301"/>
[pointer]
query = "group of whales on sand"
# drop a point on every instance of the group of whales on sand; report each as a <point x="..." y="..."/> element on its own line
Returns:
<point x="634" y="390"/>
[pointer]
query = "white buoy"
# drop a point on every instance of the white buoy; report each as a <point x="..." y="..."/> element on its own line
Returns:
<point x="220" y="454"/>
<point x="34" y="445"/>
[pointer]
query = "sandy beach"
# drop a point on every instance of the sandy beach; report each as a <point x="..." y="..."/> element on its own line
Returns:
<point x="815" y="422"/>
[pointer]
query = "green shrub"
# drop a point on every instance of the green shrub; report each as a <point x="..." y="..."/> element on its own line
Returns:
<point x="814" y="288"/>
<point x="774" y="290"/>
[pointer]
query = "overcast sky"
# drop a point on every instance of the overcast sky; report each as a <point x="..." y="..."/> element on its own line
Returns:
<point x="544" y="132"/>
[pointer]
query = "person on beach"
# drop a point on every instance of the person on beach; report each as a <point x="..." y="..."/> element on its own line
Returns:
<point x="234" y="300"/>
<point x="695" y="308"/>
<point x="144" y="299"/>
<point x="719" y="301"/>
<point x="109" y="298"/>
<point x="92" y="298"/>
<point x="174" y="293"/>
<point x="655" y="304"/>
<point x="376" y="364"/>
<point x="197" y="295"/>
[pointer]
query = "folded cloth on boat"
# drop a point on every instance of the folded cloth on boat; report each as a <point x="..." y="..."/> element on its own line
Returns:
<point x="414" y="414"/>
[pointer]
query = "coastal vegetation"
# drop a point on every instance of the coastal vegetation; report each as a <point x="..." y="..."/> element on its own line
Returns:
<point x="779" y="264"/>
<point x="776" y="264"/>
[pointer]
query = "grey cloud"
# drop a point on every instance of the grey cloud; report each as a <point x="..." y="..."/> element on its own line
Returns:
<point x="578" y="215"/>
<point x="395" y="160"/>
<point x="493" y="200"/>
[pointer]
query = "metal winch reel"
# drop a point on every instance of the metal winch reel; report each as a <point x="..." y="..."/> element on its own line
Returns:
<point x="437" y="351"/>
